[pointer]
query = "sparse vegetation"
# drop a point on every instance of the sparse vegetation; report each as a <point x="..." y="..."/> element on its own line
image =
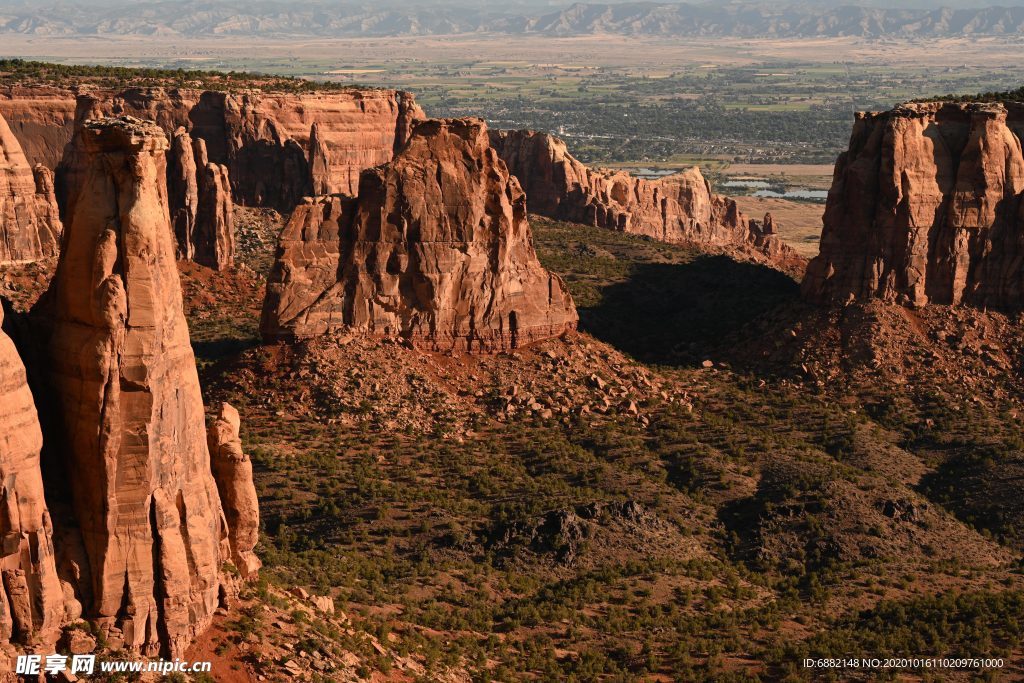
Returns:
<point x="24" y="71"/>
<point x="766" y="526"/>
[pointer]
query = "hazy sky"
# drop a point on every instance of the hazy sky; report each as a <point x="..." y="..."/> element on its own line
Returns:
<point x="515" y="4"/>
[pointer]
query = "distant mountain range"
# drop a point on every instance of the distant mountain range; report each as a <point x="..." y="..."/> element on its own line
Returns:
<point x="275" y="18"/>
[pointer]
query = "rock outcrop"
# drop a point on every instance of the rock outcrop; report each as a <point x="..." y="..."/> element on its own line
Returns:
<point x="305" y="290"/>
<point x="680" y="208"/>
<point x="30" y="228"/>
<point x="31" y="596"/>
<point x="319" y="162"/>
<point x="436" y="248"/>
<point x="125" y="377"/>
<point x="214" y="236"/>
<point x="267" y="140"/>
<point x="199" y="195"/>
<point x="926" y="207"/>
<point x="42" y="118"/>
<point x="232" y="471"/>
<point x="182" y="192"/>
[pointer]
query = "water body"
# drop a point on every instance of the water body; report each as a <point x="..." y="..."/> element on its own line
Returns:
<point x="763" y="188"/>
<point x="650" y="173"/>
<point x="804" y="194"/>
<point x="749" y="184"/>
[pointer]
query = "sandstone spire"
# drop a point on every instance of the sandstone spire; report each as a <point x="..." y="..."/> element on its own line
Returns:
<point x="927" y="206"/>
<point x="31" y="599"/>
<point x="213" y="239"/>
<point x="30" y="228"/>
<point x="126" y="378"/>
<point x="436" y="248"/>
<point x="319" y="162"/>
<point x="232" y="470"/>
<point x="199" y="194"/>
<point x="182" y="191"/>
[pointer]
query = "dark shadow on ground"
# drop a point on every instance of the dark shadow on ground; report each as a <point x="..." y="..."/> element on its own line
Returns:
<point x="982" y="487"/>
<point x="678" y="313"/>
<point x="213" y="350"/>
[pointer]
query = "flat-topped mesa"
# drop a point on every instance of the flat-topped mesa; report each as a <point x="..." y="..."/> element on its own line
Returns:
<point x="436" y="248"/>
<point x="277" y="147"/>
<point x="31" y="597"/>
<point x="926" y="207"/>
<point x="30" y="227"/>
<point x="125" y="377"/>
<point x="199" y="195"/>
<point x="680" y="208"/>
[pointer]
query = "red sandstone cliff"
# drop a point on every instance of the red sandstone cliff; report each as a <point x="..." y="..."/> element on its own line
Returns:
<point x="266" y="140"/>
<point x="31" y="597"/>
<point x="436" y="249"/>
<point x="680" y="208"/>
<point x="30" y="228"/>
<point x="926" y="207"/>
<point x="122" y="366"/>
<point x="42" y="118"/>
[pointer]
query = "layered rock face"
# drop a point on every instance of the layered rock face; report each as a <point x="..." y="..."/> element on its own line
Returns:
<point x="232" y="471"/>
<point x="276" y="158"/>
<point x="125" y="376"/>
<point x="266" y="140"/>
<point x="30" y="227"/>
<point x="31" y="596"/>
<point x="306" y="291"/>
<point x="199" y="195"/>
<point x="926" y="207"/>
<point x="436" y="248"/>
<point x="680" y="208"/>
<point x="42" y="118"/>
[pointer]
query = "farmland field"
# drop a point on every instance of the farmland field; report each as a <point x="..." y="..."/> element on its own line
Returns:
<point x="614" y="99"/>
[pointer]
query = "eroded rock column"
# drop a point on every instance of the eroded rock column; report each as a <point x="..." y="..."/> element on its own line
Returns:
<point x="232" y="470"/>
<point x="32" y="600"/>
<point x="126" y="378"/>
<point x="927" y="207"/>
<point x="199" y="195"/>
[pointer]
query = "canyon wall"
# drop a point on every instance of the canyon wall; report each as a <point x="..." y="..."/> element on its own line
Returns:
<point x="125" y="377"/>
<point x="436" y="248"/>
<point x="265" y="140"/>
<point x="30" y="226"/>
<point x="926" y="207"/>
<point x="42" y="118"/>
<point x="680" y="208"/>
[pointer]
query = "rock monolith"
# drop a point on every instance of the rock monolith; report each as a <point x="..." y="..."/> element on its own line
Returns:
<point x="436" y="248"/>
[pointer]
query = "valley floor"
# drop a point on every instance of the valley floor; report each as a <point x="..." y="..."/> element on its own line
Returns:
<point x="703" y="483"/>
<point x="710" y="481"/>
